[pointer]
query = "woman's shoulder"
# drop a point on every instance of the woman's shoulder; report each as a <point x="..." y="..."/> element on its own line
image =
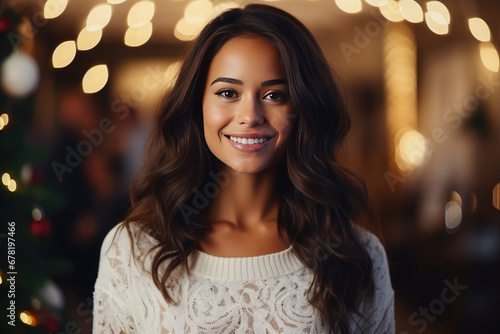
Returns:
<point x="371" y="243"/>
<point x="125" y="240"/>
<point x="377" y="253"/>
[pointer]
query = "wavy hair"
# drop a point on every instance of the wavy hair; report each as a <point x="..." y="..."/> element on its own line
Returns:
<point x="319" y="198"/>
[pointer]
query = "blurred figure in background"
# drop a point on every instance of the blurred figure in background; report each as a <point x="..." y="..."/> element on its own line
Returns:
<point x="92" y="160"/>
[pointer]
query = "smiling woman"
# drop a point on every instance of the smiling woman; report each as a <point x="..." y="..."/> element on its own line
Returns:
<point x="272" y="244"/>
<point x="247" y="122"/>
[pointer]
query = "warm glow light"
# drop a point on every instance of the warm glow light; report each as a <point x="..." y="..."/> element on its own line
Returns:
<point x="115" y="2"/>
<point x="438" y="12"/>
<point x="185" y="31"/>
<point x="27" y="318"/>
<point x="496" y="196"/>
<point x="141" y="13"/>
<point x="88" y="39"/>
<point x="64" y="54"/>
<point x="36" y="213"/>
<point x="136" y="36"/>
<point x="350" y="6"/>
<point x="453" y="215"/>
<point x="435" y="27"/>
<point x="390" y="10"/>
<point x="12" y="185"/>
<point x="54" y="8"/>
<point x="411" y="11"/>
<point x="95" y="79"/>
<point x="1" y="124"/>
<point x="455" y="197"/>
<point x="1" y="281"/>
<point x="412" y="148"/>
<point x="223" y="6"/>
<point x="376" y="3"/>
<point x="5" y="118"/>
<point x="479" y="29"/>
<point x="99" y="17"/>
<point x="5" y="179"/>
<point x="198" y="12"/>
<point x="489" y="56"/>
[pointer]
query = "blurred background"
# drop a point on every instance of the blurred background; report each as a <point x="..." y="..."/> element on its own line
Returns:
<point x="81" y="79"/>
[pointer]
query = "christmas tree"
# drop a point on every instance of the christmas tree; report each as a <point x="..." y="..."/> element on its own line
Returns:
<point x="29" y="300"/>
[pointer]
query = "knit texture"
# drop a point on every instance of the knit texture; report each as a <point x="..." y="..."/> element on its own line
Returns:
<point x="259" y="294"/>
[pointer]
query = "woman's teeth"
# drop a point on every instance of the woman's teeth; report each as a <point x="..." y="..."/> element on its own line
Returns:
<point x="248" y="141"/>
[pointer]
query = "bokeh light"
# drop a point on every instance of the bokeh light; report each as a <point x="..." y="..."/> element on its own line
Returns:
<point x="54" y="8"/>
<point x="138" y="35"/>
<point x="411" y="11"/>
<point x="99" y="17"/>
<point x="141" y="13"/>
<point x="95" y="79"/>
<point x="350" y="6"/>
<point x="64" y="54"/>
<point x="88" y="39"/>
<point x="489" y="56"/>
<point x="479" y="29"/>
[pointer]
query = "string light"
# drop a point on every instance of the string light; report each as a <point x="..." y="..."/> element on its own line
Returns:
<point x="376" y="3"/>
<point x="64" y="54"/>
<point x="12" y="185"/>
<point x="198" y="12"/>
<point x="27" y="318"/>
<point x="435" y="26"/>
<point x="411" y="11"/>
<point x="115" y="2"/>
<point x="5" y="179"/>
<point x="99" y="17"/>
<point x="95" y="79"/>
<point x="350" y="6"/>
<point x="489" y="56"/>
<point x="479" y="29"/>
<point x="88" y="39"/>
<point x="36" y="213"/>
<point x="4" y="120"/>
<point x="138" y="35"/>
<point x="54" y="8"/>
<point x="390" y="10"/>
<point x="141" y="13"/>
<point x="439" y="13"/>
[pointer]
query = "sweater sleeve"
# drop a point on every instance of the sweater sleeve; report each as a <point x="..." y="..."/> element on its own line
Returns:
<point x="380" y="315"/>
<point x="113" y="311"/>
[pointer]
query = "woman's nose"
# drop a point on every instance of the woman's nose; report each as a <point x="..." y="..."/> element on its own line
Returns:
<point x="250" y="112"/>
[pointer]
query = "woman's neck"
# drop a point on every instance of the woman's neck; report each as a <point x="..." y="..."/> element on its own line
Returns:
<point x="245" y="200"/>
<point x="243" y="217"/>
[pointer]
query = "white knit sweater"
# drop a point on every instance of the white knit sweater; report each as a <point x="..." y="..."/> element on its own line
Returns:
<point x="260" y="294"/>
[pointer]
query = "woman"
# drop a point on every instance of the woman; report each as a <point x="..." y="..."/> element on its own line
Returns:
<point x="242" y="220"/>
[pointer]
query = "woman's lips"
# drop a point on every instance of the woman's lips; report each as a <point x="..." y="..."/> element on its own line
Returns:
<point x="248" y="143"/>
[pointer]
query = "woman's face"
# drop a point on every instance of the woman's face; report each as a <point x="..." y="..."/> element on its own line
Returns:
<point x="247" y="114"/>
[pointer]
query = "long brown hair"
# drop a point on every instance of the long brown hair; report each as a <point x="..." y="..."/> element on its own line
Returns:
<point x="319" y="198"/>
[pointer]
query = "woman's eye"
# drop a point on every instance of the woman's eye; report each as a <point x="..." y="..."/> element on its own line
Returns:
<point x="275" y="96"/>
<point x="227" y="93"/>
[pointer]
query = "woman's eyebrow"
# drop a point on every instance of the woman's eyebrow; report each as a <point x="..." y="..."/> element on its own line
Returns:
<point x="273" y="82"/>
<point x="239" y="82"/>
<point x="228" y="80"/>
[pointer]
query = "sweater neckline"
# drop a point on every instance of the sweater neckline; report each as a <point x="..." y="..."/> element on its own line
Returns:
<point x="244" y="268"/>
